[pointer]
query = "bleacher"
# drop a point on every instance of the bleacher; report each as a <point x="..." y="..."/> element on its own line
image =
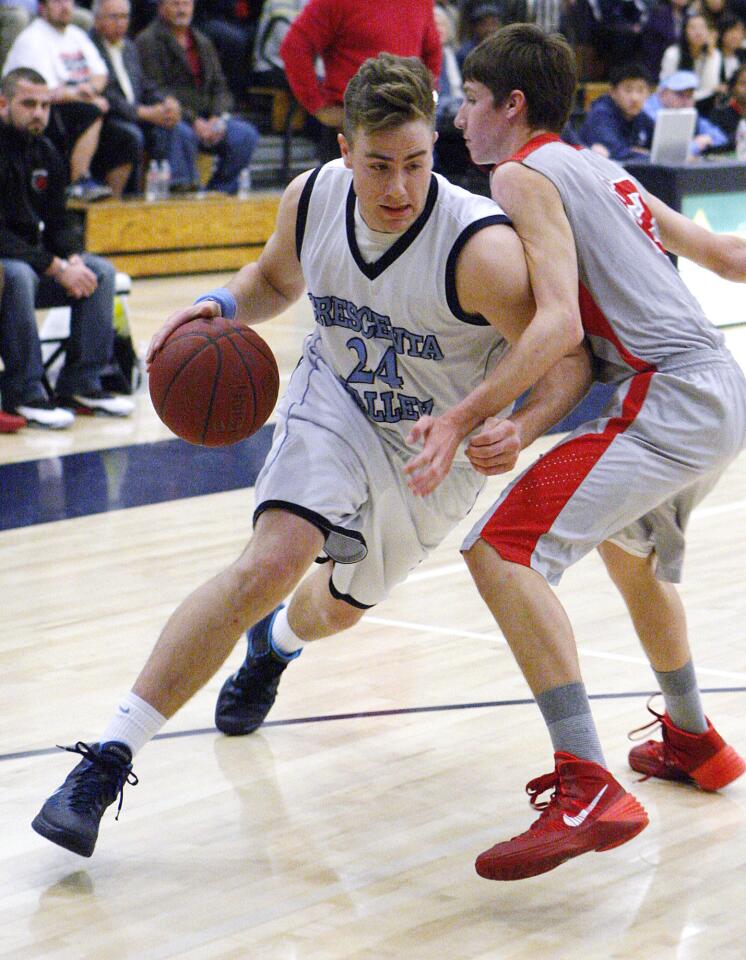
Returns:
<point x="187" y="233"/>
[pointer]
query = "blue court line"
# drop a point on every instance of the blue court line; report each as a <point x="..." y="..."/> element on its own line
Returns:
<point x="81" y="484"/>
<point x="369" y="714"/>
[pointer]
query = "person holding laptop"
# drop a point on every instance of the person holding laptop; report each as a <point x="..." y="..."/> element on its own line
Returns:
<point x="677" y="92"/>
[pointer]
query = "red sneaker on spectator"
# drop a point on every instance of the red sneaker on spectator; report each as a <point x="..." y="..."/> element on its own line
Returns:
<point x="10" y="422"/>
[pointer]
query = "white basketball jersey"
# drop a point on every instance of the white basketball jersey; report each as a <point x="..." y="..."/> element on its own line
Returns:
<point x="393" y="331"/>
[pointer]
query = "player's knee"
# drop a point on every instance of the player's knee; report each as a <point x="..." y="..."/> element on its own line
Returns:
<point x="489" y="570"/>
<point x="340" y="615"/>
<point x="272" y="579"/>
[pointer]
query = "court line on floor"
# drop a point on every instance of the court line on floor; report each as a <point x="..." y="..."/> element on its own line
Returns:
<point x="373" y="714"/>
<point x="497" y="638"/>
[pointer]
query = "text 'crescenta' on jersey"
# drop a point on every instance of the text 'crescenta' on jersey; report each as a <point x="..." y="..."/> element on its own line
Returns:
<point x="336" y="312"/>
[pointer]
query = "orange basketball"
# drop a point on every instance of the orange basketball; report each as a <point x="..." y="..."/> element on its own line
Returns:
<point x="214" y="382"/>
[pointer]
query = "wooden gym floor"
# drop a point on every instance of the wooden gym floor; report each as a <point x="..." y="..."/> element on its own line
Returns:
<point x="347" y="827"/>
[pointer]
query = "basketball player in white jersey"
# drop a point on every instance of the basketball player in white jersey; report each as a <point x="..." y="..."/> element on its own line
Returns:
<point x="416" y="287"/>
<point x="625" y="482"/>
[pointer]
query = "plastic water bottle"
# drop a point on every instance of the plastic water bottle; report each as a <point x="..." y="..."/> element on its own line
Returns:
<point x="152" y="182"/>
<point x="164" y="180"/>
<point x="741" y="140"/>
<point x="244" y="184"/>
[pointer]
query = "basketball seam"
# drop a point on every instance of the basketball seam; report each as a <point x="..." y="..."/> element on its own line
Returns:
<point x="250" y="375"/>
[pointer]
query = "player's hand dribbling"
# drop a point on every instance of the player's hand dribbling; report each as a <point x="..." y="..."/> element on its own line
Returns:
<point x="206" y="309"/>
<point x="496" y="447"/>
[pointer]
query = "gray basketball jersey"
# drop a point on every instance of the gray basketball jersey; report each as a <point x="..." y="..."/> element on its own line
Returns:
<point x="636" y="309"/>
<point x="393" y="331"/>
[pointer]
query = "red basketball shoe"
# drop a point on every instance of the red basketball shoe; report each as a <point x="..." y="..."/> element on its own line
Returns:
<point x="701" y="758"/>
<point x="588" y="810"/>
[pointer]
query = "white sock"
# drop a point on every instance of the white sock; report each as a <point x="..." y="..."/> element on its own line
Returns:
<point x="134" y="723"/>
<point x="284" y="640"/>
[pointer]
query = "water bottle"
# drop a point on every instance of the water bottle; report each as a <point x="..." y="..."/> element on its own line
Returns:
<point x="741" y="140"/>
<point x="152" y="182"/>
<point x="244" y="183"/>
<point x="164" y="180"/>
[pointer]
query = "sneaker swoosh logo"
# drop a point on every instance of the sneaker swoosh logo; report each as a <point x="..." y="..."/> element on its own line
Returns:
<point x="581" y="817"/>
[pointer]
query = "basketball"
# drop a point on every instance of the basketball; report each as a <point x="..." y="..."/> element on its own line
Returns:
<point x="214" y="382"/>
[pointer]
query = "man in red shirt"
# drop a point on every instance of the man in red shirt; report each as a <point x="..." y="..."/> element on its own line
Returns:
<point x="344" y="33"/>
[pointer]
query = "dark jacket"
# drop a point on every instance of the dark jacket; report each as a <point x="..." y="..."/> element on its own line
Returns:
<point x="34" y="223"/>
<point x="164" y="61"/>
<point x="607" y="124"/>
<point x="727" y="118"/>
<point x="145" y="90"/>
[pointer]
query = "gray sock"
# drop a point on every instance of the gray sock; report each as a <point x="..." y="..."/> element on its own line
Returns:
<point x="567" y="714"/>
<point x="681" y="695"/>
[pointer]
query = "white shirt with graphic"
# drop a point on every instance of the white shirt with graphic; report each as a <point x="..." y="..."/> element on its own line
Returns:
<point x="63" y="58"/>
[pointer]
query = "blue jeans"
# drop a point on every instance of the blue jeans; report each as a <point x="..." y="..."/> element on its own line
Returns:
<point x="89" y="347"/>
<point x="177" y="145"/>
<point x="233" y="152"/>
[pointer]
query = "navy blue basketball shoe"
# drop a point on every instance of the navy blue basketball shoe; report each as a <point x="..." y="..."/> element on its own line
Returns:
<point x="247" y="695"/>
<point x="71" y="816"/>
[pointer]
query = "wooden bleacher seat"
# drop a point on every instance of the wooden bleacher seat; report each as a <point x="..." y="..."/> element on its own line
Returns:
<point x="286" y="116"/>
<point x="592" y="90"/>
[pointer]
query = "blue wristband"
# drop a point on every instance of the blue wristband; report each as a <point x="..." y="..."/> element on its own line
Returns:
<point x="225" y="298"/>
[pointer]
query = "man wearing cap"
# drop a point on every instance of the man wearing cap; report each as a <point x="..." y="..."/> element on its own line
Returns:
<point x="676" y="93"/>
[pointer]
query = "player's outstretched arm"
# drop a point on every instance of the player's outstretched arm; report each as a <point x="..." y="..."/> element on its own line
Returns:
<point x="723" y="254"/>
<point x="261" y="290"/>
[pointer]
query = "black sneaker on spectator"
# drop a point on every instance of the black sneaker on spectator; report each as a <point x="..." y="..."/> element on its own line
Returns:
<point x="87" y="189"/>
<point x="99" y="401"/>
<point x="45" y="413"/>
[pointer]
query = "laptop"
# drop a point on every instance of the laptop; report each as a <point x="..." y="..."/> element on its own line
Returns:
<point x="674" y="130"/>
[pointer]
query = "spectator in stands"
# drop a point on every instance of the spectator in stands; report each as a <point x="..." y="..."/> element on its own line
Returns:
<point x="451" y="156"/>
<point x="42" y="269"/>
<point x="183" y="63"/>
<point x="76" y="75"/>
<point x="731" y="37"/>
<point x="712" y="10"/>
<point x="616" y="125"/>
<point x="478" y="20"/>
<point x="135" y="101"/>
<point x="16" y="15"/>
<point x="677" y="92"/>
<point x="274" y="23"/>
<point x="231" y="25"/>
<point x="697" y="50"/>
<point x="344" y="33"/>
<point x="9" y="422"/>
<point x="664" y="28"/>
<point x="613" y="28"/>
<point x="729" y="115"/>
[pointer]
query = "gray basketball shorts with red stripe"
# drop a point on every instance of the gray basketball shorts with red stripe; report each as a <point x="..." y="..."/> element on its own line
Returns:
<point x="633" y="475"/>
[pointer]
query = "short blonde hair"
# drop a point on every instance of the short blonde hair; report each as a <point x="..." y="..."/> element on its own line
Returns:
<point x="388" y="91"/>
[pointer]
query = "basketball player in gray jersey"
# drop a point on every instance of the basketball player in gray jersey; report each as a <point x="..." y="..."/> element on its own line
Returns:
<point x="416" y="287"/>
<point x="625" y="482"/>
